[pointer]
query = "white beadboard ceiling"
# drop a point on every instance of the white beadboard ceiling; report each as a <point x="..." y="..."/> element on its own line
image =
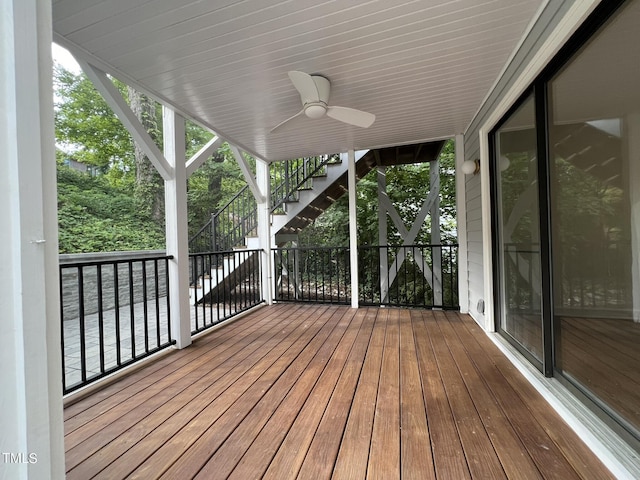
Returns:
<point x="422" y="67"/>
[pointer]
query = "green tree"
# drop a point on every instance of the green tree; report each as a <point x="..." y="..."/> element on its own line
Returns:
<point x="407" y="187"/>
<point x="87" y="130"/>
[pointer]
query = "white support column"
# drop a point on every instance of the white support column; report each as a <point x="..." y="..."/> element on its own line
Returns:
<point x="461" y="227"/>
<point x="353" y="228"/>
<point x="175" y="195"/>
<point x="31" y="423"/>
<point x="436" y="256"/>
<point x="383" y="201"/>
<point x="264" y="228"/>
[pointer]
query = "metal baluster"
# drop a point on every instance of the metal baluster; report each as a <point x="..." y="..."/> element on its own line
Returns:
<point x="100" y="316"/>
<point x="156" y="280"/>
<point x="116" y="306"/>
<point x="132" y="324"/>
<point x="144" y="306"/>
<point x="83" y="354"/>
<point x="62" y="338"/>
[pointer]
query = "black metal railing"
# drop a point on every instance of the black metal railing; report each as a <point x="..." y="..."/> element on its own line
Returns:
<point x="289" y="177"/>
<point x="114" y="311"/>
<point x="423" y="276"/>
<point x="228" y="227"/>
<point x="322" y="274"/>
<point x="204" y="240"/>
<point x="318" y="274"/>
<point x="223" y="284"/>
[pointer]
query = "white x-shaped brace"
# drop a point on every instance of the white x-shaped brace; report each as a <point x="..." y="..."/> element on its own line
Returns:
<point x="409" y="238"/>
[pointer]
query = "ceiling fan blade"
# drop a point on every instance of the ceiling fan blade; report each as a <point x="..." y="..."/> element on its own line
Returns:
<point x="290" y="118"/>
<point x="305" y="85"/>
<point x="351" y="116"/>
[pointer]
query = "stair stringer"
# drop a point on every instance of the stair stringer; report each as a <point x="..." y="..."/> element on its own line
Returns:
<point x="301" y="213"/>
<point x="226" y="276"/>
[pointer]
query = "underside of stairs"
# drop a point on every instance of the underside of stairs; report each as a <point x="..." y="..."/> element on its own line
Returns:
<point x="326" y="190"/>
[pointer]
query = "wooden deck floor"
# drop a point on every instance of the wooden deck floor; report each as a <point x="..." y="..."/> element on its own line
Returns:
<point x="315" y="392"/>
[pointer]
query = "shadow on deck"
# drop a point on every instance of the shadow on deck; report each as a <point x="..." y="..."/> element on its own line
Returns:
<point x="317" y="391"/>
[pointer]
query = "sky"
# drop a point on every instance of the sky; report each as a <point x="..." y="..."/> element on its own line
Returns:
<point x="64" y="58"/>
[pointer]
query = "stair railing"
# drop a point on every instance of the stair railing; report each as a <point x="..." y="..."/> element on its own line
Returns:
<point x="291" y="176"/>
<point x="239" y="217"/>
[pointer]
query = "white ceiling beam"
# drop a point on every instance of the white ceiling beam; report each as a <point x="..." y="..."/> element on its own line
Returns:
<point x="205" y="152"/>
<point x="248" y="175"/>
<point x="117" y="103"/>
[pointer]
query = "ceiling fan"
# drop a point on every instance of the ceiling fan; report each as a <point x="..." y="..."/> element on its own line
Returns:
<point x="314" y="92"/>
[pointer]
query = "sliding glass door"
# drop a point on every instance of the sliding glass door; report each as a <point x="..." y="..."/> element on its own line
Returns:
<point x="575" y="314"/>
<point x="518" y="249"/>
<point x="594" y="158"/>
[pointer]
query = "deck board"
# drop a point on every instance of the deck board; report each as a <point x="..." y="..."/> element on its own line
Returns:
<point x="304" y="391"/>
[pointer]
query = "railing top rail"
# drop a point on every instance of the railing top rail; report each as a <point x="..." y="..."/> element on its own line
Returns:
<point x="228" y="252"/>
<point x="199" y="232"/>
<point x="418" y="245"/>
<point x="86" y="259"/>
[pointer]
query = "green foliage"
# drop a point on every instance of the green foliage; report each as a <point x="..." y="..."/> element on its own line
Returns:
<point x="94" y="216"/>
<point x="407" y="188"/>
<point x="87" y="130"/>
<point x="212" y="186"/>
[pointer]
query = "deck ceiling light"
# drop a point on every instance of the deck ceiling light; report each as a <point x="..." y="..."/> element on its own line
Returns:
<point x="471" y="167"/>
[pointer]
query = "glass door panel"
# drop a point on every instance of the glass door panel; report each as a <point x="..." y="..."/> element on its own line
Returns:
<point x="595" y="212"/>
<point x="518" y="235"/>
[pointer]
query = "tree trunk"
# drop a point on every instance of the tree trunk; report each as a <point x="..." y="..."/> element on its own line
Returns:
<point x="149" y="187"/>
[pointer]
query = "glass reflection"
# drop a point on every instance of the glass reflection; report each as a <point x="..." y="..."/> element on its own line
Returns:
<point x="595" y="212"/>
<point x="518" y="217"/>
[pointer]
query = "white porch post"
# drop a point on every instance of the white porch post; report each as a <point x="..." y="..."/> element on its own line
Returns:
<point x="382" y="232"/>
<point x="31" y="424"/>
<point x="175" y="191"/>
<point x="461" y="227"/>
<point x="436" y="255"/>
<point x="353" y="228"/>
<point x="264" y="228"/>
